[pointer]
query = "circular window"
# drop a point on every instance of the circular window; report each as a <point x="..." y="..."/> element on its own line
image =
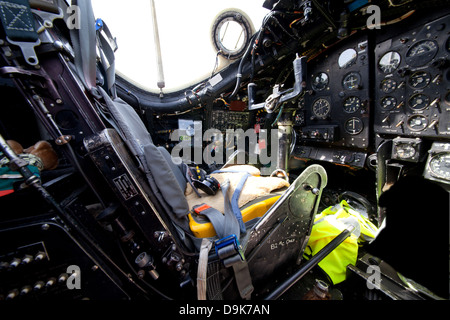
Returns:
<point x="231" y="32"/>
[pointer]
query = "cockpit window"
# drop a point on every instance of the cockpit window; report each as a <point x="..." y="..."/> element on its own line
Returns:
<point x="191" y="34"/>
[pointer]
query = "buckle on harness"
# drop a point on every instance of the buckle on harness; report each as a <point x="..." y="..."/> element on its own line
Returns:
<point x="201" y="207"/>
<point x="229" y="250"/>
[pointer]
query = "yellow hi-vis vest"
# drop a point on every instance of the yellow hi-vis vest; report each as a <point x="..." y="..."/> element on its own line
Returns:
<point x="330" y="223"/>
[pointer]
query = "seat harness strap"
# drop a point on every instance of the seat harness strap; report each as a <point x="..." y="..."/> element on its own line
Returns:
<point x="224" y="223"/>
<point x="231" y="253"/>
<point x="228" y="248"/>
<point x="235" y="197"/>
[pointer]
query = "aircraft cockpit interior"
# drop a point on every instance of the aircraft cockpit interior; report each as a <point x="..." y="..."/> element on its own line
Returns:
<point x="283" y="150"/>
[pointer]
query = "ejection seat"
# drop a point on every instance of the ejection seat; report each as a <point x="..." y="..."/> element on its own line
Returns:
<point x="277" y="238"/>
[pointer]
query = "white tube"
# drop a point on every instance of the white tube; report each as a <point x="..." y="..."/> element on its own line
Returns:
<point x="159" y="65"/>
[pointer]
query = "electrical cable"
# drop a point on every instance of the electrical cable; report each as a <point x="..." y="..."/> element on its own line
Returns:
<point x="255" y="40"/>
<point x="278" y="116"/>
<point x="241" y="64"/>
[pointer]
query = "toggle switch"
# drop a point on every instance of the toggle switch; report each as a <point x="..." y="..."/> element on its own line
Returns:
<point x="15" y="263"/>
<point x="63" y="278"/>
<point x="12" y="294"/>
<point x="27" y="259"/>
<point x="50" y="282"/>
<point x="40" y="256"/>
<point x="25" y="290"/>
<point x="38" y="285"/>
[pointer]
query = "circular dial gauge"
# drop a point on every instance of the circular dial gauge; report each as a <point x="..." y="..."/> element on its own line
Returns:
<point x="440" y="165"/>
<point x="421" y="53"/>
<point x="352" y="104"/>
<point x="321" y="108"/>
<point x="347" y="58"/>
<point x="352" y="81"/>
<point x="354" y="126"/>
<point x="405" y="151"/>
<point x="418" y="101"/>
<point x="417" y="122"/>
<point x="388" y="103"/>
<point x="389" y="62"/>
<point x="320" y="81"/>
<point x="419" y="80"/>
<point x="388" y="85"/>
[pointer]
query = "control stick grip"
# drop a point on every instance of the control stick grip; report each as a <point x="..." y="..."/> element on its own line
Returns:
<point x="299" y="66"/>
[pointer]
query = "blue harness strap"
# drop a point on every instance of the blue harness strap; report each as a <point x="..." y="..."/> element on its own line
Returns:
<point x="236" y="195"/>
<point x="235" y="201"/>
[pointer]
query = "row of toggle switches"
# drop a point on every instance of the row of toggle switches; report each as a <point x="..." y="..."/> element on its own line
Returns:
<point x="38" y="286"/>
<point x="16" y="262"/>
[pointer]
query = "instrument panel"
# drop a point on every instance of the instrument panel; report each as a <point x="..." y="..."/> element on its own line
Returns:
<point x="412" y="82"/>
<point x="369" y="88"/>
<point x="229" y="120"/>
<point x="335" y="108"/>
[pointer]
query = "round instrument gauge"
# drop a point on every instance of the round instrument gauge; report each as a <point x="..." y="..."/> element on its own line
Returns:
<point x="354" y="126"/>
<point x="405" y="151"/>
<point x="388" y="85"/>
<point x="347" y="58"/>
<point x="419" y="80"/>
<point x="419" y="101"/>
<point x="421" y="53"/>
<point x="417" y="122"/>
<point x="439" y="165"/>
<point x="389" y="62"/>
<point x="352" y="104"/>
<point x="388" y="103"/>
<point x="352" y="81"/>
<point x="320" y="81"/>
<point x="321" y="108"/>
